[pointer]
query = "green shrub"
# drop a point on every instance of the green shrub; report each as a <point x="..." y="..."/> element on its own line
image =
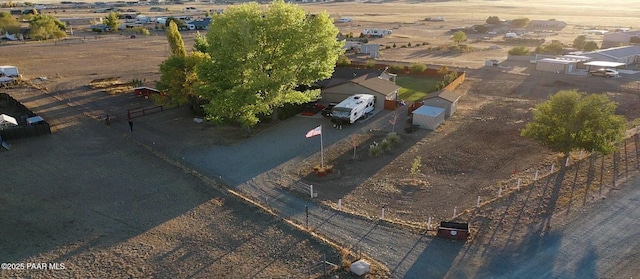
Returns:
<point x="417" y="68"/>
<point x="370" y="63"/>
<point x="394" y="45"/>
<point x="375" y="150"/>
<point x="343" y="61"/>
<point x="395" y="68"/>
<point x="385" y="145"/>
<point x="409" y="44"/>
<point x="403" y="46"/>
<point x="519" y="51"/>
<point x="393" y="138"/>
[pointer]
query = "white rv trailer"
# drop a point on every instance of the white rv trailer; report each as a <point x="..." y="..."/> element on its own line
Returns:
<point x="353" y="108"/>
<point x="377" y="32"/>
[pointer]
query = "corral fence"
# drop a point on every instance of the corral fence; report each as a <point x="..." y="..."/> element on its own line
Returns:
<point x="109" y="118"/>
<point x="23" y="130"/>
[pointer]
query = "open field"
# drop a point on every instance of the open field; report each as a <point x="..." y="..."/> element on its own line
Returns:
<point x="473" y="154"/>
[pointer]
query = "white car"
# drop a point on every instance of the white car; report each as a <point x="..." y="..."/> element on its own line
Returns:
<point x="604" y="72"/>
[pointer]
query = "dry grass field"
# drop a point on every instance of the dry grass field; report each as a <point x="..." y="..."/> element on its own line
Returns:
<point x="473" y="154"/>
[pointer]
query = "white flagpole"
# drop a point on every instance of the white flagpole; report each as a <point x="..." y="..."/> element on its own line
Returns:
<point x="321" y="150"/>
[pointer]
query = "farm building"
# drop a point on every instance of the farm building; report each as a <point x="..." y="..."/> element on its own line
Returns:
<point x="428" y="117"/>
<point x="614" y="39"/>
<point x="145" y="92"/>
<point x="556" y="65"/>
<point x="546" y="25"/>
<point x="372" y="49"/>
<point x="445" y="99"/>
<point x="626" y="54"/>
<point x="346" y="82"/>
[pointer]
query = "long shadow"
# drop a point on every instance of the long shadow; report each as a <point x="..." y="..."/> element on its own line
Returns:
<point x="573" y="185"/>
<point x="518" y="262"/>
<point x="553" y="199"/>
<point x="436" y="260"/>
<point x="365" y="165"/>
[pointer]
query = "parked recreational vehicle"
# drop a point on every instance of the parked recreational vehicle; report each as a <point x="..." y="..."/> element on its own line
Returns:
<point x="377" y="32"/>
<point x="353" y="108"/>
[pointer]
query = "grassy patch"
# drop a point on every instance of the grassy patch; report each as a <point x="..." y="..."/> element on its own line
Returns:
<point x="414" y="89"/>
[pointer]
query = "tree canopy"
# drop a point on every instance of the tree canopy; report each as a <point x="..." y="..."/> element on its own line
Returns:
<point x="520" y="22"/>
<point x="177" y="73"/>
<point x="459" y="37"/>
<point x="43" y="27"/>
<point x="112" y="21"/>
<point x="259" y="57"/>
<point x="579" y="41"/>
<point x="571" y="120"/>
<point x="493" y="20"/>
<point x="8" y="23"/>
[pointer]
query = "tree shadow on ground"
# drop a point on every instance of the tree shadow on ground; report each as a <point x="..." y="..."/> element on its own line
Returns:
<point x="436" y="260"/>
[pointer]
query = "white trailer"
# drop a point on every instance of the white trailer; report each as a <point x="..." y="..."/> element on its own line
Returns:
<point x="377" y="32"/>
<point x="9" y="71"/>
<point x="353" y="108"/>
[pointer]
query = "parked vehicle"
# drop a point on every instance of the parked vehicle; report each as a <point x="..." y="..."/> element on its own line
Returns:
<point x="377" y="32"/>
<point x="326" y="112"/>
<point x="353" y="108"/>
<point x="604" y="72"/>
<point x="345" y="19"/>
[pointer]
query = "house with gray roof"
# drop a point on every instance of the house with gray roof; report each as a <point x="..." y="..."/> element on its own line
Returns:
<point x="625" y="54"/>
<point x="346" y="82"/>
<point x="445" y="99"/>
<point x="615" y="39"/>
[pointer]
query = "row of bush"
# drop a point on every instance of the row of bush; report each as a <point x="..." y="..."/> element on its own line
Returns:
<point x="377" y="149"/>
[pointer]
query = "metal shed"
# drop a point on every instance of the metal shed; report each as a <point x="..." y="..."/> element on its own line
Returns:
<point x="7" y="121"/>
<point x="556" y="65"/>
<point x="428" y="117"/>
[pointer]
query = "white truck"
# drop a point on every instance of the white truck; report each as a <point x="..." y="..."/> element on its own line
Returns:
<point x="353" y="108"/>
<point x="377" y="32"/>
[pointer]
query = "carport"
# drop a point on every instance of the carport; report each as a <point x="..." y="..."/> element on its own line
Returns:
<point x="602" y="64"/>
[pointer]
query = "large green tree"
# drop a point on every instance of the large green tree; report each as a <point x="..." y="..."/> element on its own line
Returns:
<point x="43" y="27"/>
<point x="176" y="43"/>
<point x="177" y="73"/>
<point x="571" y="120"/>
<point x="459" y="37"/>
<point x="579" y="41"/>
<point x="8" y="23"/>
<point x="112" y="21"/>
<point x="259" y="57"/>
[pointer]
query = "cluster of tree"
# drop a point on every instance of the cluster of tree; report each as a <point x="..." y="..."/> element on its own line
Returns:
<point x="251" y="62"/>
<point x="571" y="120"/>
<point x="519" y="51"/>
<point x="41" y="27"/>
<point x="448" y="77"/>
<point x="518" y="22"/>
<point x="8" y="23"/>
<point x="493" y="20"/>
<point x="555" y="48"/>
<point x="581" y="43"/>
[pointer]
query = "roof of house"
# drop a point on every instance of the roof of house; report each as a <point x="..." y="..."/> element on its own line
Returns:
<point x="379" y="85"/>
<point x="616" y="52"/>
<point x="547" y="22"/>
<point x="447" y="95"/>
<point x="625" y="33"/>
<point x="344" y="75"/>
